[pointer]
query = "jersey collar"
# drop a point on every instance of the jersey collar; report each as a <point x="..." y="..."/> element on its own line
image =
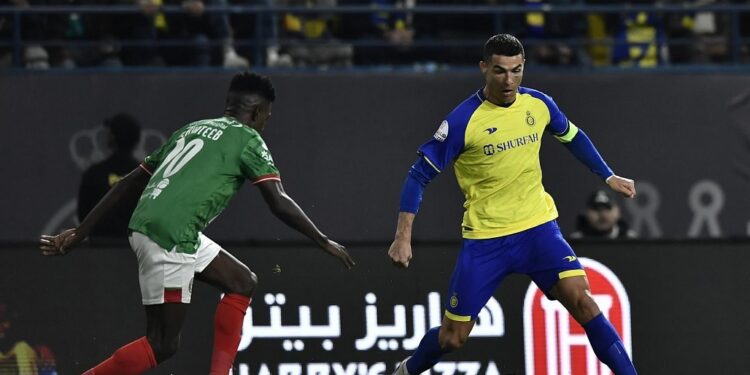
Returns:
<point x="482" y="97"/>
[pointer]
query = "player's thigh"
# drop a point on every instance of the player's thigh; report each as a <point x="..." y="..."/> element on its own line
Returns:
<point x="164" y="276"/>
<point x="219" y="268"/>
<point x="163" y="327"/>
<point x="480" y="267"/>
<point x="550" y="258"/>
<point x="164" y="321"/>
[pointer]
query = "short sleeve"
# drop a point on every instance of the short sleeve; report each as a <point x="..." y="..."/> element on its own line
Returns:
<point x="256" y="162"/>
<point x="152" y="161"/>
<point x="558" y="122"/>
<point x="448" y="141"/>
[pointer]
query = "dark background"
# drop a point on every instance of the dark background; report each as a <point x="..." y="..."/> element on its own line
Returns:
<point x="688" y="304"/>
<point x="344" y="143"/>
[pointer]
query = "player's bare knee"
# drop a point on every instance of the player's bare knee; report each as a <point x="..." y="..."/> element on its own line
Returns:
<point x="584" y="308"/>
<point x="452" y="341"/>
<point x="244" y="283"/>
<point x="589" y="307"/>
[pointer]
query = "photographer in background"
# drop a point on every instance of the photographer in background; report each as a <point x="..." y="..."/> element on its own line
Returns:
<point x="124" y="134"/>
<point x="602" y="219"/>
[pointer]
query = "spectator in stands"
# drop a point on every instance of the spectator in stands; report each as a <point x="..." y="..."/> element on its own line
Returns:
<point x="124" y="134"/>
<point x="638" y="40"/>
<point x="602" y="219"/>
<point x="309" y="39"/>
<point x="36" y="30"/>
<point x="110" y="29"/>
<point x="678" y="28"/>
<point x="202" y="29"/>
<point x="17" y="356"/>
<point x="470" y="28"/>
<point x="390" y="35"/>
<point x="711" y="33"/>
<point x="541" y="28"/>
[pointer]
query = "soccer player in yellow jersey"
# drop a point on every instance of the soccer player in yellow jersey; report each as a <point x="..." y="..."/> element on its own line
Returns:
<point x="493" y="140"/>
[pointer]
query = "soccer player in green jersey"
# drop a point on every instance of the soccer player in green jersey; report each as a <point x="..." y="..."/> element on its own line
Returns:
<point x="183" y="186"/>
<point x="493" y="139"/>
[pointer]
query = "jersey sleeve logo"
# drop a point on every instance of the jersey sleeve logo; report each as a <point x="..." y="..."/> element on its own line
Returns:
<point x="265" y="154"/>
<point x="442" y="133"/>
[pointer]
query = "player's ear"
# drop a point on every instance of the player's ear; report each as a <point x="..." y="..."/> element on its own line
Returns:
<point x="255" y="113"/>
<point x="483" y="66"/>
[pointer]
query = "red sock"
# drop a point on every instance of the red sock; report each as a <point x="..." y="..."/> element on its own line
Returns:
<point x="132" y="359"/>
<point x="227" y="331"/>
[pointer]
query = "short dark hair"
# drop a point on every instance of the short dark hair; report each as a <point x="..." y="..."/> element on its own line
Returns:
<point x="253" y="83"/>
<point x="503" y="45"/>
<point x="126" y="132"/>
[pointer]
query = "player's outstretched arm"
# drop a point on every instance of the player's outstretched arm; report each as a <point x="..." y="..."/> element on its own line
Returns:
<point x="400" y="250"/>
<point x="622" y="185"/>
<point x="286" y="209"/>
<point x="62" y="243"/>
<point x="419" y="176"/>
<point x="584" y="150"/>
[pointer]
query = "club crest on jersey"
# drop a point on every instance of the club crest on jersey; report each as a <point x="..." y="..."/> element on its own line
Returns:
<point x="530" y="121"/>
<point x="454" y="301"/>
<point x="442" y="133"/>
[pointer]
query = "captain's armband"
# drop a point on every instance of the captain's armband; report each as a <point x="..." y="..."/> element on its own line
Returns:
<point x="568" y="134"/>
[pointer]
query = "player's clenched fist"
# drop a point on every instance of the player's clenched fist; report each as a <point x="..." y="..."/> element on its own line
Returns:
<point x="622" y="185"/>
<point x="400" y="253"/>
<point x="59" y="244"/>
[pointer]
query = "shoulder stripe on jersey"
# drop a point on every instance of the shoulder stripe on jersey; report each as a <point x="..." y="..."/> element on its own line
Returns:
<point x="480" y="95"/>
<point x="431" y="164"/>
<point x="268" y="177"/>
<point x="143" y="166"/>
<point x="568" y="135"/>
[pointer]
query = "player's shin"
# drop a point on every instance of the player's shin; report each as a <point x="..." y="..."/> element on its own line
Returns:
<point x="428" y="353"/>
<point x="608" y="346"/>
<point x="227" y="331"/>
<point x="132" y="359"/>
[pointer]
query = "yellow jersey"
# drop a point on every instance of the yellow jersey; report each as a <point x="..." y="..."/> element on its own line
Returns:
<point x="495" y="156"/>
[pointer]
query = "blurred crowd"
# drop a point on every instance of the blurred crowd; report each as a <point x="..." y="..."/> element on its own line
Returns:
<point x="194" y="36"/>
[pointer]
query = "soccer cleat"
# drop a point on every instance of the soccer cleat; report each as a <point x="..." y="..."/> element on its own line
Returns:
<point x="401" y="368"/>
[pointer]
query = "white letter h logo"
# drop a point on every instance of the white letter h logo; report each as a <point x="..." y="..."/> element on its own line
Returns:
<point x="557" y="330"/>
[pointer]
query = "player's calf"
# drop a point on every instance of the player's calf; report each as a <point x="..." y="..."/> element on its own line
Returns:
<point x="163" y="347"/>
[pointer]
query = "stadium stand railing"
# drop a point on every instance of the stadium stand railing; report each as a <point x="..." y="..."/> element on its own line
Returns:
<point x="723" y="27"/>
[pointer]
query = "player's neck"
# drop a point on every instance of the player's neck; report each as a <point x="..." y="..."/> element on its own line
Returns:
<point x="239" y="118"/>
<point x="497" y="101"/>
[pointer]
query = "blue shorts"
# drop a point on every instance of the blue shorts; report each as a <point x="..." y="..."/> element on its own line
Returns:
<point x="540" y="252"/>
